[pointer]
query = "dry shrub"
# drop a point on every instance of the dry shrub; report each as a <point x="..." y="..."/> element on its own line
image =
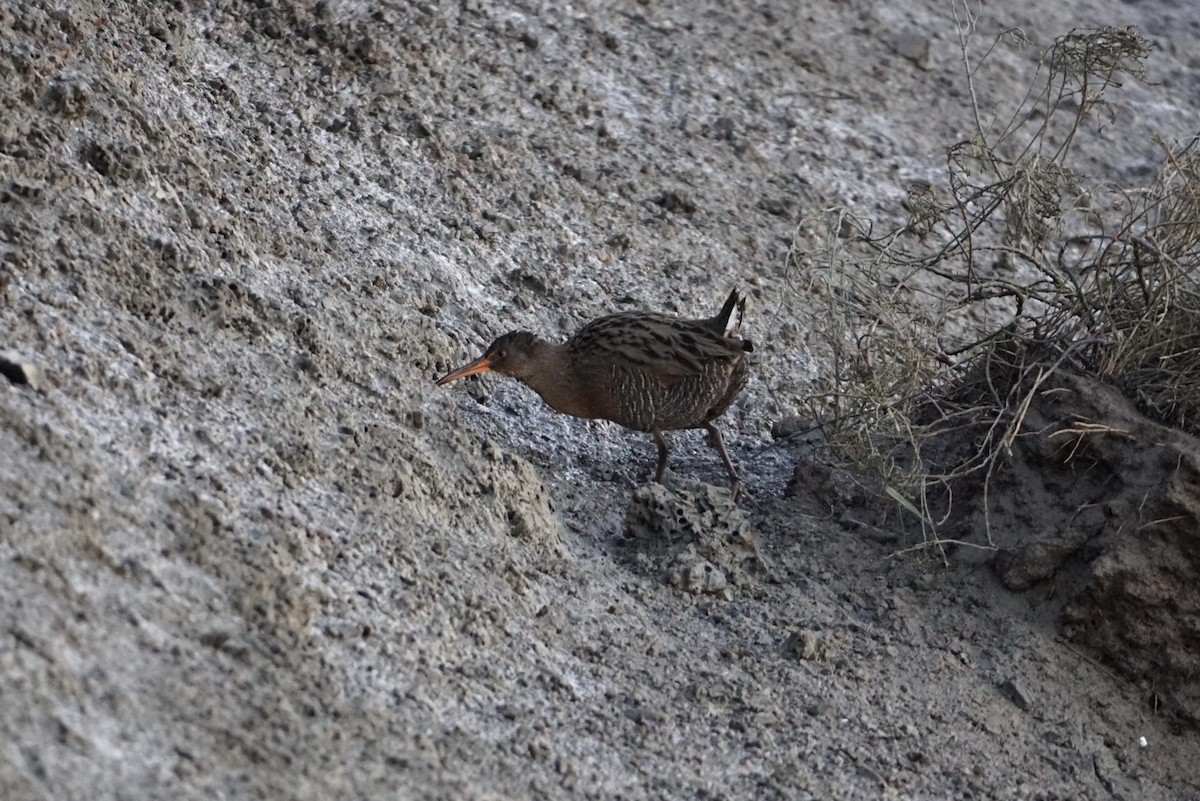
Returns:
<point x="1144" y="295"/>
<point x="943" y="332"/>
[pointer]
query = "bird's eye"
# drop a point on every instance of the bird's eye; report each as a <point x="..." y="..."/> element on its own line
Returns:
<point x="502" y="354"/>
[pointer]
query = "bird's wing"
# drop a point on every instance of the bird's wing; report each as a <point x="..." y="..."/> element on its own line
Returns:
<point x="657" y="344"/>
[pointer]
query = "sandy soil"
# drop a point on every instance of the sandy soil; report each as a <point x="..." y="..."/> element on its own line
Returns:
<point x="248" y="550"/>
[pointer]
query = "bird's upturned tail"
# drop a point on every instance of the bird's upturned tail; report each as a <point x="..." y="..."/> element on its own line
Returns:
<point x="729" y="320"/>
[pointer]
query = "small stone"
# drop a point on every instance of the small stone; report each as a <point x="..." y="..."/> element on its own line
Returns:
<point x="1014" y="692"/>
<point x="790" y="426"/>
<point x="777" y="206"/>
<point x="724" y="128"/>
<point x="620" y="241"/>
<point x="806" y="645"/>
<point x="914" y="47"/>
<point x="1021" y="568"/>
<point x="673" y="201"/>
<point x="69" y="96"/>
<point x="20" y="371"/>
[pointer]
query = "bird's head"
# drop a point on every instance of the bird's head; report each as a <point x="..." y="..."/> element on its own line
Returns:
<point x="511" y="355"/>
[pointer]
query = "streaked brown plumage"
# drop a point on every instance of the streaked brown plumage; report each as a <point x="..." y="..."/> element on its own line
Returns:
<point x="647" y="371"/>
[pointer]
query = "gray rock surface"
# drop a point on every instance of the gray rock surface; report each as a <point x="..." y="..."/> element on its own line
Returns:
<point x="248" y="550"/>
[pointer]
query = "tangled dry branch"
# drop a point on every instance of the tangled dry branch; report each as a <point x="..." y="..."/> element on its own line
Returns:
<point x="943" y="332"/>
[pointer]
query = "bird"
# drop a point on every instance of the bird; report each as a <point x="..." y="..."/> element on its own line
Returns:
<point x="644" y="370"/>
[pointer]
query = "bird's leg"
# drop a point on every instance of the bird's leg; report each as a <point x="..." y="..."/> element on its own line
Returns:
<point x="714" y="439"/>
<point x="661" y="442"/>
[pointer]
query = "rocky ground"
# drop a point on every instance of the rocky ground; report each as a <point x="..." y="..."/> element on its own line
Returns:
<point x="248" y="550"/>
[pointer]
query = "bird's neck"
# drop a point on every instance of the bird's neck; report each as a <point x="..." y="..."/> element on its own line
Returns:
<point x="555" y="378"/>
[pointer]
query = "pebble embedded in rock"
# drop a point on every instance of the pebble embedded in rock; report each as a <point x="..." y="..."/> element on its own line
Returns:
<point x="806" y="645"/>
<point x="914" y="47"/>
<point x="21" y="371"/>
<point x="1016" y="693"/>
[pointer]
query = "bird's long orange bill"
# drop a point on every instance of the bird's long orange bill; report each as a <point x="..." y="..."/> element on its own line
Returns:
<point x="480" y="365"/>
